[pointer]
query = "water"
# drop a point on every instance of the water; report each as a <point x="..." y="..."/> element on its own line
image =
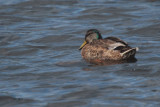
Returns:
<point x="40" y="65"/>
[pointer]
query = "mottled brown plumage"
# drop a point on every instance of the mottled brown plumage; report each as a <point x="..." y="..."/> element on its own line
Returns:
<point x="110" y="48"/>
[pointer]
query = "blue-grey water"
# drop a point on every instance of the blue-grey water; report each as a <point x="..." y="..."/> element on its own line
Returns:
<point x="41" y="66"/>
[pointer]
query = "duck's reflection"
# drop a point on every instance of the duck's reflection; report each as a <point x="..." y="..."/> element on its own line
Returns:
<point x="110" y="62"/>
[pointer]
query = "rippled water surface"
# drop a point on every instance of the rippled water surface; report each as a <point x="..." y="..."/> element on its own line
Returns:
<point x="40" y="64"/>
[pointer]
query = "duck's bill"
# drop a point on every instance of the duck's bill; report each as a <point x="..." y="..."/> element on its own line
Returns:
<point x="84" y="43"/>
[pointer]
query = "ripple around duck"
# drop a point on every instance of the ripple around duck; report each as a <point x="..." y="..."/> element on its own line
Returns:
<point x="42" y="66"/>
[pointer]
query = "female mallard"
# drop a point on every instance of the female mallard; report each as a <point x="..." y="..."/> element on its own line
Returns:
<point x="110" y="48"/>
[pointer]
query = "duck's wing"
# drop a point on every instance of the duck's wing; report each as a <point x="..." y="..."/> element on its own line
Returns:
<point x="116" y="40"/>
<point x="114" y="43"/>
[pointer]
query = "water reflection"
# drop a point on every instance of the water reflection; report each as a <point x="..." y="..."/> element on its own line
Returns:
<point x="41" y="66"/>
<point x="111" y="62"/>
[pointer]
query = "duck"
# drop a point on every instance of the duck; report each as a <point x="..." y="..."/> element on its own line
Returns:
<point x="98" y="49"/>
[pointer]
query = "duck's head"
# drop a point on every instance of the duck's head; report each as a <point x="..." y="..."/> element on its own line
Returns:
<point x="92" y="34"/>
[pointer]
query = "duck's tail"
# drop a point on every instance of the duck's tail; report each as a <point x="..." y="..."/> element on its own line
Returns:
<point x="130" y="53"/>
